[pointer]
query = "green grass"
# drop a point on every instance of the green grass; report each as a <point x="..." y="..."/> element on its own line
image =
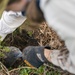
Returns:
<point x="26" y="71"/>
<point x="40" y="71"/>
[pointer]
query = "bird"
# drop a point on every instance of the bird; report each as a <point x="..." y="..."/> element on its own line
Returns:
<point x="12" y="56"/>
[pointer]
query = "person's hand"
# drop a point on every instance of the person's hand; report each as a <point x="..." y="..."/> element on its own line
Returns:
<point x="34" y="56"/>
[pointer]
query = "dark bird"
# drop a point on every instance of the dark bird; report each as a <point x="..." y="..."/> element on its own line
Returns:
<point x="12" y="56"/>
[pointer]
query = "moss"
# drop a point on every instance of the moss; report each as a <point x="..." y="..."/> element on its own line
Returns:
<point x="2" y="55"/>
<point x="6" y="49"/>
<point x="30" y="33"/>
<point x="3" y="50"/>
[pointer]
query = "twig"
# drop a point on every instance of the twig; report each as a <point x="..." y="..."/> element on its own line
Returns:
<point x="45" y="71"/>
<point x="21" y="68"/>
<point x="4" y="68"/>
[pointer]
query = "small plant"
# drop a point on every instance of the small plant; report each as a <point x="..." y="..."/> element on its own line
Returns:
<point x="31" y="71"/>
<point x="3" y="50"/>
<point x="30" y="33"/>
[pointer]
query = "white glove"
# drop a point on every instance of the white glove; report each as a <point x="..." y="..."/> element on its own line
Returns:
<point x="9" y="22"/>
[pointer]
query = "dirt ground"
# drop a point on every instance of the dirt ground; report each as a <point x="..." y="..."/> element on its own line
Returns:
<point x="43" y="36"/>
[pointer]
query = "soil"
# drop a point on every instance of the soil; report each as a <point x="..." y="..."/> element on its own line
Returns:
<point x="20" y="40"/>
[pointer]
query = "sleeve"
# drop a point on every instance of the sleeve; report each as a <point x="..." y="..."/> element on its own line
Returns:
<point x="9" y="22"/>
<point x="60" y="15"/>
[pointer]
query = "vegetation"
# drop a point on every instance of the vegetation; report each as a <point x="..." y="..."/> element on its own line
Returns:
<point x="23" y="37"/>
<point x="44" y="36"/>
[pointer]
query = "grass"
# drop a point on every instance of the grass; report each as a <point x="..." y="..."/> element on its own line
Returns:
<point x="41" y="71"/>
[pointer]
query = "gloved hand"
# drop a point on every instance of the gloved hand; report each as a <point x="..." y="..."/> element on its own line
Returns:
<point x="12" y="56"/>
<point x="34" y="56"/>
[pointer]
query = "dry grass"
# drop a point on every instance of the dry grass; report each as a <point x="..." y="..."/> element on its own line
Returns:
<point x="46" y="36"/>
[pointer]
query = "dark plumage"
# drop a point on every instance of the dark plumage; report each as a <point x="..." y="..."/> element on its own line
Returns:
<point x="12" y="56"/>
